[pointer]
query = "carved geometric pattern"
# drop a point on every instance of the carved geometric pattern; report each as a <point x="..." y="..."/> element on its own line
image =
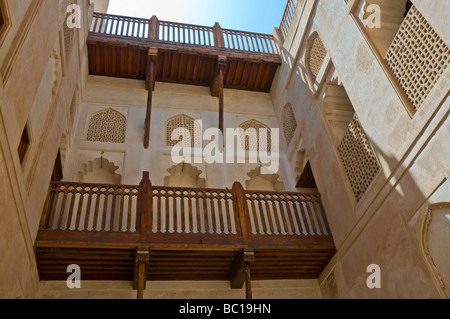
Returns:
<point x="252" y="144"/>
<point x="107" y="126"/>
<point x="315" y="55"/>
<point x="417" y="57"/>
<point x="358" y="158"/>
<point x="289" y="123"/>
<point x="187" y="123"/>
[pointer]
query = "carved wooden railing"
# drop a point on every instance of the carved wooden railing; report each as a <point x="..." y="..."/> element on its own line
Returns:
<point x="183" y="215"/>
<point x="183" y="33"/>
<point x="288" y="15"/>
<point x="91" y="207"/>
<point x="249" y="41"/>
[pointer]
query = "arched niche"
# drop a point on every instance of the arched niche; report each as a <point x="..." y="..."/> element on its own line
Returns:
<point x="99" y="171"/>
<point x="435" y="242"/>
<point x="184" y="175"/>
<point x="263" y="182"/>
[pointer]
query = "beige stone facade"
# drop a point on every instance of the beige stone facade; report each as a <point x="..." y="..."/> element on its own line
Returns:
<point x="371" y="120"/>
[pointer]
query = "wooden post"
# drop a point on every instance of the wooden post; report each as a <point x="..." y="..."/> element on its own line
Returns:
<point x="154" y="28"/>
<point x="248" y="282"/>
<point x="140" y="270"/>
<point x="242" y="211"/>
<point x="241" y="272"/>
<point x="221" y="98"/>
<point x="218" y="36"/>
<point x="146" y="207"/>
<point x="150" y="84"/>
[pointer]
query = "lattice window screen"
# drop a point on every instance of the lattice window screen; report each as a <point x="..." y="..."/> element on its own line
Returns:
<point x="315" y="55"/>
<point x="184" y="122"/>
<point x="107" y="126"/>
<point x="359" y="160"/>
<point x="289" y="123"/>
<point x="251" y="144"/>
<point x="417" y="57"/>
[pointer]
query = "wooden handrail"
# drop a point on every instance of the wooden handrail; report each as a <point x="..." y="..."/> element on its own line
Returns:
<point x="183" y="33"/>
<point x="147" y="211"/>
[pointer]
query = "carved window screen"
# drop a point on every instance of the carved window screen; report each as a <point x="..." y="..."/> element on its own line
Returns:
<point x="289" y="123"/>
<point x="315" y="55"/>
<point x="417" y="57"/>
<point x="264" y="139"/>
<point x="107" y="126"/>
<point x="187" y="123"/>
<point x="360" y="162"/>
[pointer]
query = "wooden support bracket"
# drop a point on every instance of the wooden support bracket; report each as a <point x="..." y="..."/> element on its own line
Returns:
<point x="140" y="270"/>
<point x="241" y="273"/>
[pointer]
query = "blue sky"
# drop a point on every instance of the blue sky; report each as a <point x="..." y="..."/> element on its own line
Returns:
<point x="260" y="16"/>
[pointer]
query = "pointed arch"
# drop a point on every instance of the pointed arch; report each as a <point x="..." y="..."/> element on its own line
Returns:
<point x="183" y="122"/>
<point x="107" y="126"/>
<point x="184" y="175"/>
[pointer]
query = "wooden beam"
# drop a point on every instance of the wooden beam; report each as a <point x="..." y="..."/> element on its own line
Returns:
<point x="241" y="271"/>
<point x="140" y="270"/>
<point x="150" y="85"/>
<point x="217" y="86"/>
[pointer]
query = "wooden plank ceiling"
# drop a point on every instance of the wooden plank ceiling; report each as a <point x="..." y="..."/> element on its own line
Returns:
<point x="179" y="264"/>
<point x="178" y="63"/>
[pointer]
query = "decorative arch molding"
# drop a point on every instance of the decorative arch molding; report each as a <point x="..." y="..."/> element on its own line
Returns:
<point x="184" y="175"/>
<point x="289" y="123"/>
<point x="315" y="55"/>
<point x="249" y="143"/>
<point x="434" y="239"/>
<point x="263" y="182"/>
<point x="107" y="126"/>
<point x="183" y="122"/>
<point x="99" y="170"/>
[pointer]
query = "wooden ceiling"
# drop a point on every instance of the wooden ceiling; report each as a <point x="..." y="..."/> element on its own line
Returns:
<point x="180" y="63"/>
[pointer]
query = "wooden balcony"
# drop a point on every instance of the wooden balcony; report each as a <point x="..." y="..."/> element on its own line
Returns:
<point x="185" y="234"/>
<point x="189" y="54"/>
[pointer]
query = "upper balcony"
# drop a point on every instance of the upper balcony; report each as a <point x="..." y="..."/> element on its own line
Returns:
<point x="119" y="46"/>
<point x="186" y="234"/>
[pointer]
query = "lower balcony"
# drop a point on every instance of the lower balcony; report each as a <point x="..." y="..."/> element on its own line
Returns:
<point x="144" y="233"/>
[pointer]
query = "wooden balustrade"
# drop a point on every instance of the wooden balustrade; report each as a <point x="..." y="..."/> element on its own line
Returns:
<point x="152" y="212"/>
<point x="249" y="41"/>
<point x="185" y="33"/>
<point x="288" y="15"/>
<point x="91" y="207"/>
<point x="166" y="31"/>
<point x="286" y="214"/>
